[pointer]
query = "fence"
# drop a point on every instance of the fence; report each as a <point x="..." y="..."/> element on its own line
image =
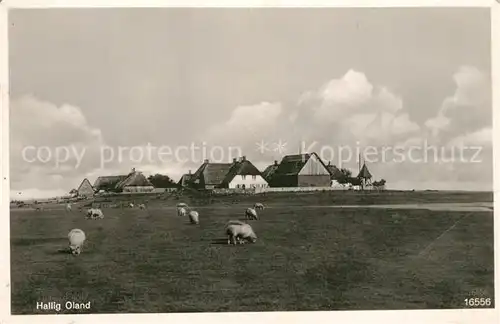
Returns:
<point x="251" y="191"/>
<point x="296" y="189"/>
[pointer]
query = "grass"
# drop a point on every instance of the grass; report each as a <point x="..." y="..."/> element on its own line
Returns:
<point x="138" y="261"/>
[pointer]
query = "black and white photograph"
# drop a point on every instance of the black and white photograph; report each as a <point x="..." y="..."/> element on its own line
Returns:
<point x="249" y="159"/>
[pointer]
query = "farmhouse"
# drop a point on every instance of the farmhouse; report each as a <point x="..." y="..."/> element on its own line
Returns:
<point x="210" y="175"/>
<point x="301" y="170"/>
<point x="243" y="175"/>
<point x="135" y="182"/>
<point x="108" y="183"/>
<point x="85" y="189"/>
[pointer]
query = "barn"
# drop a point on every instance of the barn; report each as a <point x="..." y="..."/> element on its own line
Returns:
<point x="244" y="175"/>
<point x="85" y="189"/>
<point x="301" y="170"/>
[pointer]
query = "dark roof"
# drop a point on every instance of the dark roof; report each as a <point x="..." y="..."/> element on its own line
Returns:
<point x="364" y="173"/>
<point x="289" y="168"/>
<point x="243" y="167"/>
<point x="269" y="171"/>
<point x="108" y="181"/>
<point x="292" y="164"/>
<point x="334" y="171"/>
<point x="212" y="173"/>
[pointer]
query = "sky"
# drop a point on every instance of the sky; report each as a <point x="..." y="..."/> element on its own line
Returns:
<point x="93" y="89"/>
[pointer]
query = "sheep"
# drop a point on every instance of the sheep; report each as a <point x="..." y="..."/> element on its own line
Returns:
<point x="142" y="206"/>
<point x="68" y="207"/>
<point x="239" y="233"/>
<point x="94" y="213"/>
<point x="181" y="211"/>
<point x="251" y="213"/>
<point x="131" y="205"/>
<point x="76" y="238"/>
<point x="183" y="205"/>
<point x="194" y="217"/>
<point x="258" y="206"/>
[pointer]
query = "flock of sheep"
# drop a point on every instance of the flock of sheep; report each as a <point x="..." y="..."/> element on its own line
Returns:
<point x="237" y="232"/>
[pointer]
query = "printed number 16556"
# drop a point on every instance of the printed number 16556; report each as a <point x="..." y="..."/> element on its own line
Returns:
<point x="477" y="302"/>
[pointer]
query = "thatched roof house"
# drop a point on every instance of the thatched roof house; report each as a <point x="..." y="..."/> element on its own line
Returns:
<point x="135" y="179"/>
<point x="210" y="175"/>
<point x="108" y="183"/>
<point x="243" y="174"/>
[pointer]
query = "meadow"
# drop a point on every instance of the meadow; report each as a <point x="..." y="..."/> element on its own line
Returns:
<point x="306" y="258"/>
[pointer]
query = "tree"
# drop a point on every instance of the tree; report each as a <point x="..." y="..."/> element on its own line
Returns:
<point x="380" y="183"/>
<point x="162" y="181"/>
<point x="344" y="176"/>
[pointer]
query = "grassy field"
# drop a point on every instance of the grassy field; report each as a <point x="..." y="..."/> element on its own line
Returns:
<point x="305" y="258"/>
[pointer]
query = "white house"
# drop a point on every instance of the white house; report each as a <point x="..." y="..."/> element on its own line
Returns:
<point x="244" y="175"/>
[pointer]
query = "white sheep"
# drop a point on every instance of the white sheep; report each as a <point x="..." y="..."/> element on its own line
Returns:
<point x="251" y="213"/>
<point x="131" y="205"/>
<point x="76" y="238"/>
<point x="94" y="213"/>
<point x="181" y="211"/>
<point x="142" y="206"/>
<point x="239" y="233"/>
<point x="68" y="207"/>
<point x="258" y="206"/>
<point x="194" y="217"/>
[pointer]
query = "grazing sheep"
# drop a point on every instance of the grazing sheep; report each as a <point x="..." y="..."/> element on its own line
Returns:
<point x="142" y="206"/>
<point x="76" y="238"/>
<point x="131" y="205"/>
<point x="183" y="205"/>
<point x="251" y="213"/>
<point x="94" y="213"/>
<point x="181" y="211"/>
<point x="258" y="206"/>
<point x="194" y="217"/>
<point x="68" y="207"/>
<point x="239" y="233"/>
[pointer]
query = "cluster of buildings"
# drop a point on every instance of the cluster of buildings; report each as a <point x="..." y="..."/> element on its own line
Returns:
<point x="135" y="181"/>
<point x="299" y="170"/>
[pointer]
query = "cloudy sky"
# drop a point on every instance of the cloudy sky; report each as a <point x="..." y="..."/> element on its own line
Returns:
<point x="87" y="83"/>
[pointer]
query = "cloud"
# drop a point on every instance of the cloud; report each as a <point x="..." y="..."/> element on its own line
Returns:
<point x="49" y="140"/>
<point x="468" y="109"/>
<point x="53" y="148"/>
<point x="482" y="137"/>
<point x="362" y="111"/>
